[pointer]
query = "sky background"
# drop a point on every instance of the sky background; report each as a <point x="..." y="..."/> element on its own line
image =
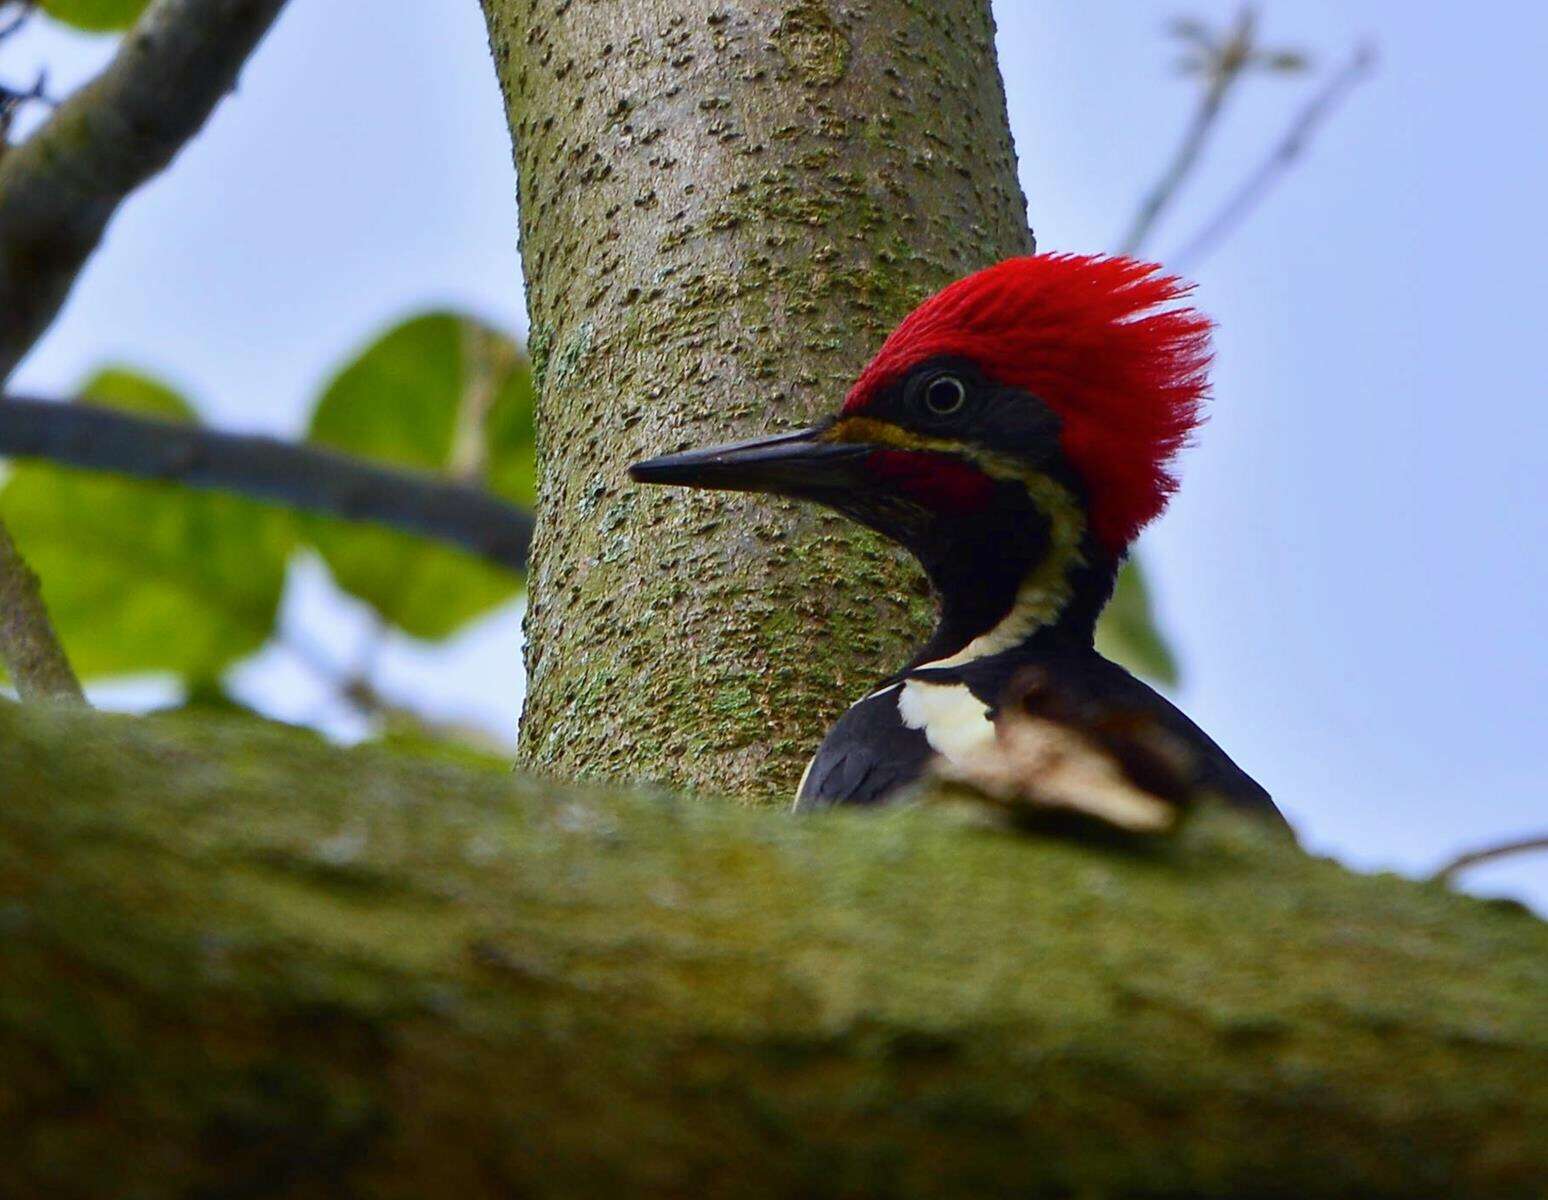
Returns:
<point x="1352" y="572"/>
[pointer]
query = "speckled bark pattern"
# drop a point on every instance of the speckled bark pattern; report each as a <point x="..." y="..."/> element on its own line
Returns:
<point x="724" y="208"/>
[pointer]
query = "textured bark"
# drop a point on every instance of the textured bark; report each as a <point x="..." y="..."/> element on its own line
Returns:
<point x="243" y="963"/>
<point x="29" y="648"/>
<point x="724" y="207"/>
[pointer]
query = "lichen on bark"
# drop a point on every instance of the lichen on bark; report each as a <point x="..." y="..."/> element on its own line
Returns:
<point x="812" y="43"/>
<point x="724" y="208"/>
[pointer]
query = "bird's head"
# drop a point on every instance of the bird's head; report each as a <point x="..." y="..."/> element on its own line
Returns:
<point x="1083" y="370"/>
<point x="1046" y="393"/>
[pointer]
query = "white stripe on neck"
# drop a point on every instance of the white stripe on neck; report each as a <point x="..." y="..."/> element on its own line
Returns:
<point x="1047" y="588"/>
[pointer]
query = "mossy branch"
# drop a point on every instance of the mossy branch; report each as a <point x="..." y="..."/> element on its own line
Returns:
<point x="237" y="962"/>
<point x="60" y="187"/>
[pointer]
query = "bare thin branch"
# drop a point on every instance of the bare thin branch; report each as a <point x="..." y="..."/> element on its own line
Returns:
<point x="297" y="476"/>
<point x="17" y="19"/>
<point x="487" y="360"/>
<point x="1488" y="854"/>
<point x="28" y="644"/>
<point x="1166" y="188"/>
<point x="12" y="102"/>
<point x="1280" y="158"/>
<point x="60" y="187"/>
<point x="1223" y="65"/>
<point x="361" y="693"/>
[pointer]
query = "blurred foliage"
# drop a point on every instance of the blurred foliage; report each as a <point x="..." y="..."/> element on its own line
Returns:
<point x="97" y="16"/>
<point x="1128" y="634"/>
<point x="440" y="393"/>
<point x="143" y="577"/>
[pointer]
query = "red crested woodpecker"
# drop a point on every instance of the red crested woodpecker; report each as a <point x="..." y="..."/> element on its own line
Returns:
<point x="1014" y="434"/>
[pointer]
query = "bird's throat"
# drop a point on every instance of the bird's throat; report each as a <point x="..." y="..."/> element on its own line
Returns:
<point x="1030" y="575"/>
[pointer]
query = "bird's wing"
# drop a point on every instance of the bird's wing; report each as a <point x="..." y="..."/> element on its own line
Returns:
<point x="1215" y="773"/>
<point x="868" y="757"/>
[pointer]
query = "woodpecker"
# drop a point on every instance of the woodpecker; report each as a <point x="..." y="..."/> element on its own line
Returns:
<point x="1014" y="433"/>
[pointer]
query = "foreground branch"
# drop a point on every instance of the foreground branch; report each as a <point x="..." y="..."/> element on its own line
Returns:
<point x="240" y="962"/>
<point x="59" y="189"/>
<point x="29" y="647"/>
<point x="299" y="476"/>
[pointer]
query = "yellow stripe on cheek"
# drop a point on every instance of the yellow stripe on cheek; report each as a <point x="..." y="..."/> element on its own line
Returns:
<point x="1047" y="588"/>
<point x="868" y="430"/>
<point x="884" y="433"/>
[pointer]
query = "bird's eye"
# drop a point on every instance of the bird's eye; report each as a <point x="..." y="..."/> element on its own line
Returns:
<point x="945" y="395"/>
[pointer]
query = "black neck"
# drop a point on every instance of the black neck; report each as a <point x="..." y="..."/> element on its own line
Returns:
<point x="978" y="569"/>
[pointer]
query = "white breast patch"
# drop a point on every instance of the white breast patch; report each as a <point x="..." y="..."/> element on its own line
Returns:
<point x="954" y="721"/>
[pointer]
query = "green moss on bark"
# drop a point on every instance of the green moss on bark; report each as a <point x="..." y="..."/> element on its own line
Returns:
<point x="239" y="962"/>
<point x="724" y="208"/>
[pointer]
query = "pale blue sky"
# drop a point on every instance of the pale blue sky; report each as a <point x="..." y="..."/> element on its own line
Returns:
<point x="1352" y="570"/>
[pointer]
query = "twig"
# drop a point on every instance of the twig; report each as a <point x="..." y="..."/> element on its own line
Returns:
<point x="1166" y="188"/>
<point x="23" y="14"/>
<point x="486" y="362"/>
<point x="60" y="187"/>
<point x="12" y="102"/>
<point x="1280" y="158"/>
<point x="1488" y="854"/>
<point x="1224" y="69"/>
<point x="361" y="694"/>
<point x="28" y="644"/>
<point x="297" y="476"/>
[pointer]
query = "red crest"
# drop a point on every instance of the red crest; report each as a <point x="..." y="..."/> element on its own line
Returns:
<point x="1102" y="341"/>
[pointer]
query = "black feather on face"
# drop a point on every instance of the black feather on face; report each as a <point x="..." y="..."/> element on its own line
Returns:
<point x="951" y="399"/>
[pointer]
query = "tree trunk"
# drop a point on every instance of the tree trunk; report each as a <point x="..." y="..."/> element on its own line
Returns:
<point x="724" y="208"/>
<point x="243" y="963"/>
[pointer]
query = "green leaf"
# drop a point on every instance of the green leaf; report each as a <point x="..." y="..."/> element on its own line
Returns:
<point x="98" y="16"/>
<point x="140" y="576"/>
<point x="129" y="391"/>
<point x="443" y="393"/>
<point x="1127" y="632"/>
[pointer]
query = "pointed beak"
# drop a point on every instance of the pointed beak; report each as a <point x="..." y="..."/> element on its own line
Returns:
<point x="789" y="464"/>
